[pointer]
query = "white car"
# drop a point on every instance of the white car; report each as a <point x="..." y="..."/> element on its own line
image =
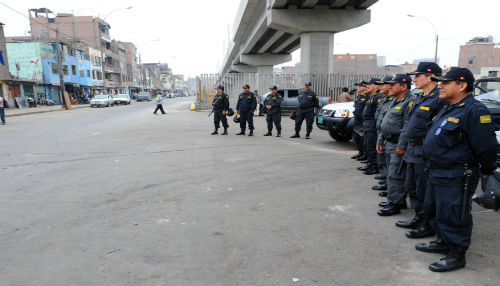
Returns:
<point x="101" y="100"/>
<point x="121" y="99"/>
<point x="337" y="119"/>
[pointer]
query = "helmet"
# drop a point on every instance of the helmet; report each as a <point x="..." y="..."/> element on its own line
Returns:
<point x="236" y="119"/>
<point x="490" y="198"/>
<point x="293" y="115"/>
<point x="230" y="112"/>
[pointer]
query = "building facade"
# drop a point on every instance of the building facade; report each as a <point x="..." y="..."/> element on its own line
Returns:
<point x="478" y="53"/>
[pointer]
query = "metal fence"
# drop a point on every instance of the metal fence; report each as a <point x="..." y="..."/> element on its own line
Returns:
<point x="323" y="84"/>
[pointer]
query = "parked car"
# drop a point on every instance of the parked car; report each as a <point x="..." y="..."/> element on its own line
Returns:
<point x="101" y="100"/>
<point x="487" y="90"/>
<point x="338" y="119"/>
<point x="144" y="96"/>
<point x="290" y="100"/>
<point x="121" y="99"/>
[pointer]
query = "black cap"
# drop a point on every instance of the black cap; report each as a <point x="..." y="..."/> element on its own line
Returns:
<point x="456" y="73"/>
<point x="220" y="87"/>
<point x="308" y="84"/>
<point x="361" y="83"/>
<point x="385" y="79"/>
<point x="373" y="80"/>
<point x="246" y="86"/>
<point x="400" y="78"/>
<point x="427" y="67"/>
<point x="274" y="88"/>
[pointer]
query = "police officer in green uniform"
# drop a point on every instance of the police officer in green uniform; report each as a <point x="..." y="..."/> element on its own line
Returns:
<point x="382" y="108"/>
<point x="392" y="135"/>
<point x="272" y="104"/>
<point x="460" y="144"/>
<point x="220" y="105"/>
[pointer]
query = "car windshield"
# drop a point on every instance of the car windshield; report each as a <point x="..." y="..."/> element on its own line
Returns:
<point x="101" y="96"/>
<point x="121" y="96"/>
<point x="487" y="90"/>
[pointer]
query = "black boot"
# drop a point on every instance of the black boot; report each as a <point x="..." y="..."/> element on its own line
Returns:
<point x="356" y="156"/>
<point x="424" y="230"/>
<point x="308" y="136"/>
<point x="386" y="204"/>
<point x="379" y="188"/>
<point x="362" y="158"/>
<point x="365" y="161"/>
<point x="242" y="132"/>
<point x="391" y="209"/>
<point x="380" y="177"/>
<point x="215" y="132"/>
<point x="384" y="182"/>
<point x="371" y="170"/>
<point x="434" y="246"/>
<point x="412" y="223"/>
<point x="363" y="168"/>
<point x="383" y="194"/>
<point x="225" y="131"/>
<point x="296" y="135"/>
<point x="269" y="133"/>
<point x="279" y="133"/>
<point x="455" y="259"/>
<point x="251" y="132"/>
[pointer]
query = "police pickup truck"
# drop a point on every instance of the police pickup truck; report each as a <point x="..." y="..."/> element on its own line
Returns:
<point x="290" y="100"/>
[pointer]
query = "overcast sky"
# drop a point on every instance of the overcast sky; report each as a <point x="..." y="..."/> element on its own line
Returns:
<point x="193" y="33"/>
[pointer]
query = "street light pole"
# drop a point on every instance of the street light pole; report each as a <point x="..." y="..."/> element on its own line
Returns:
<point x="435" y="32"/>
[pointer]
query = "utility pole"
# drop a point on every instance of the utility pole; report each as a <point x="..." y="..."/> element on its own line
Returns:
<point x="59" y="67"/>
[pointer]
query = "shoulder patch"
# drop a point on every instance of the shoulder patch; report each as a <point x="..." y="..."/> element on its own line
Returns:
<point x="453" y="119"/>
<point x="485" y="119"/>
<point x="426" y="108"/>
<point x="461" y="104"/>
<point x="241" y="96"/>
<point x="363" y="99"/>
<point x="227" y="96"/>
<point x="379" y="100"/>
<point x="410" y="104"/>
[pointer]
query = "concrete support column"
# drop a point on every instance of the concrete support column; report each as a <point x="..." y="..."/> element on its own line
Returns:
<point x="316" y="53"/>
<point x="264" y="79"/>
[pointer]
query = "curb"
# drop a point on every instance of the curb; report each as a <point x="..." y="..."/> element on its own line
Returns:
<point x="42" y="111"/>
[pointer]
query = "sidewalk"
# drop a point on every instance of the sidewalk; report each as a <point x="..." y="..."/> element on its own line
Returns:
<point x="40" y="109"/>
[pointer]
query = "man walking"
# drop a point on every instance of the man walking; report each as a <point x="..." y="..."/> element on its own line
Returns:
<point x="272" y="103"/>
<point x="220" y="107"/>
<point x="2" y="110"/>
<point x="308" y="101"/>
<point x="245" y="107"/>
<point x="159" y="104"/>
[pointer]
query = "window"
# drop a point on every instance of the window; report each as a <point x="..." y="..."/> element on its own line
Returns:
<point x="81" y="73"/>
<point x="73" y="70"/>
<point x="292" y="93"/>
<point x="88" y="73"/>
<point x="65" y="69"/>
<point x="55" y="68"/>
<point x="471" y="61"/>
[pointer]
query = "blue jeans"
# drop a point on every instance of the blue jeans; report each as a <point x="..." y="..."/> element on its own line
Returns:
<point x="2" y="115"/>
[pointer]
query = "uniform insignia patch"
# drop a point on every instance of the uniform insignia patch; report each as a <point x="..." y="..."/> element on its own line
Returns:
<point x="485" y="119"/>
<point x="453" y="119"/>
<point x="397" y="107"/>
<point x="379" y="100"/>
<point x="426" y="108"/>
<point x="462" y="104"/>
<point x="249" y="97"/>
<point x="363" y="99"/>
<point x="310" y="96"/>
<point x="410" y="104"/>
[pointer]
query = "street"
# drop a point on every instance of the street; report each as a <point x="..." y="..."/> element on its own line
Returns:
<point x="120" y="196"/>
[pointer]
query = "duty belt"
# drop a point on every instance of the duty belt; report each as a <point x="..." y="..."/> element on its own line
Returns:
<point x="455" y="166"/>
<point x="416" y="141"/>
<point x="393" y="138"/>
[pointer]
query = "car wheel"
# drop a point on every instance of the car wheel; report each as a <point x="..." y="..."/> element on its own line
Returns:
<point x="340" y="136"/>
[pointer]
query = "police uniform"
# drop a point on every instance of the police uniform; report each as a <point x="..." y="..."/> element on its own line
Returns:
<point x="369" y="128"/>
<point x="308" y="101"/>
<point x="220" y="104"/>
<point x="273" y="114"/>
<point x="393" y="136"/>
<point x="246" y="106"/>
<point x="382" y="108"/>
<point x="425" y="107"/>
<point x="359" y="106"/>
<point x="461" y="140"/>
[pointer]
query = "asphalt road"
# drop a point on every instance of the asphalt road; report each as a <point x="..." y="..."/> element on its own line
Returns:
<point x="119" y="196"/>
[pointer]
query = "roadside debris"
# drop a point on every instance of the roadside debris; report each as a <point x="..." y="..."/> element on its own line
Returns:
<point x="114" y="250"/>
<point x="133" y="222"/>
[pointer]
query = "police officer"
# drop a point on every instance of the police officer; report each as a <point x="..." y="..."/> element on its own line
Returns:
<point x="308" y="101"/>
<point x="370" y="127"/>
<point x="393" y="136"/>
<point x="272" y="103"/>
<point x="382" y="108"/>
<point x="461" y="141"/>
<point x="220" y="104"/>
<point x="245" y="108"/>
<point x="359" y="105"/>
<point x="425" y="106"/>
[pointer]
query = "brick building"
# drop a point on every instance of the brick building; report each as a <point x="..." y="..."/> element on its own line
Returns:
<point x="478" y="53"/>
